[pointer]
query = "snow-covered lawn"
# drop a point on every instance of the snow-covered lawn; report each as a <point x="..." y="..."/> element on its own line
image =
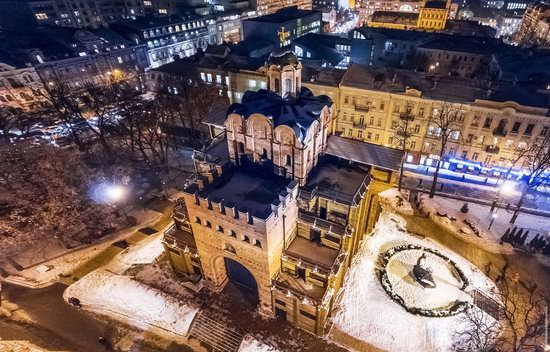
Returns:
<point x="128" y="300"/>
<point x="441" y="210"/>
<point x="250" y="344"/>
<point x="145" y="252"/>
<point x="448" y="285"/>
<point x="482" y="215"/>
<point x="366" y="316"/>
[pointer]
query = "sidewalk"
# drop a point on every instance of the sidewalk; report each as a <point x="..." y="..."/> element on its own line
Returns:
<point x="72" y="265"/>
<point x="536" y="204"/>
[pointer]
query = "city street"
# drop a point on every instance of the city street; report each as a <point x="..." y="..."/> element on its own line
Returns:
<point x="484" y="192"/>
<point x="70" y="328"/>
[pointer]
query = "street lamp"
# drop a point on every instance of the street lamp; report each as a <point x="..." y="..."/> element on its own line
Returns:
<point x="115" y="193"/>
<point x="494" y="216"/>
<point x="507" y="188"/>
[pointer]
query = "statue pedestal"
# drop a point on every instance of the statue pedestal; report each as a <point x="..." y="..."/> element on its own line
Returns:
<point x="423" y="275"/>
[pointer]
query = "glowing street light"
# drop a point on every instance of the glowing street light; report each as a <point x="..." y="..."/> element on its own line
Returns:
<point x="115" y="193"/>
<point x="508" y="187"/>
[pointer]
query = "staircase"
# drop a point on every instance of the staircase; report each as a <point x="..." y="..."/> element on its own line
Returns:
<point x="215" y="334"/>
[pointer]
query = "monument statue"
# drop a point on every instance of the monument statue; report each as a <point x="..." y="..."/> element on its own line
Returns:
<point x="422" y="273"/>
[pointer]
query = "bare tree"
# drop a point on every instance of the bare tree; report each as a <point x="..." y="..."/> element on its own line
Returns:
<point x="192" y="102"/>
<point x="521" y="324"/>
<point x="40" y="201"/>
<point x="402" y="135"/>
<point x="445" y="124"/>
<point x="536" y="159"/>
<point x="479" y="332"/>
<point x="89" y="112"/>
<point x="8" y="120"/>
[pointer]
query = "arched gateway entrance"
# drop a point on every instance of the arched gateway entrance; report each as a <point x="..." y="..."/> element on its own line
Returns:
<point x="243" y="278"/>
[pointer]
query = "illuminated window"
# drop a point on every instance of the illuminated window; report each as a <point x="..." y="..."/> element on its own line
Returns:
<point x="41" y="16"/>
<point x="163" y="11"/>
<point x="147" y="3"/>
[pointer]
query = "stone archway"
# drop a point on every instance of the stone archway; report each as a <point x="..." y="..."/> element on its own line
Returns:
<point x="243" y="278"/>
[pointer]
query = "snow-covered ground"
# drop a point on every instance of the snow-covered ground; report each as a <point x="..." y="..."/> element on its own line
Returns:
<point x="366" y="316"/>
<point x="396" y="201"/>
<point x="250" y="344"/>
<point x="145" y="252"/>
<point x="481" y="216"/>
<point x="128" y="300"/>
<point x="488" y="239"/>
<point x="448" y="285"/>
<point x="47" y="273"/>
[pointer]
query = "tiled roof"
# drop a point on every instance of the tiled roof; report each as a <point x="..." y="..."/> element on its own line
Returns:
<point x="365" y="153"/>
<point x="296" y="112"/>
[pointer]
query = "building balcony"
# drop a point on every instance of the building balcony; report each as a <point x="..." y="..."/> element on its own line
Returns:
<point x="359" y="125"/>
<point x="500" y="132"/>
<point x="329" y="227"/>
<point x="309" y="253"/>
<point x="493" y="149"/>
<point x="182" y="239"/>
<point x="362" y="107"/>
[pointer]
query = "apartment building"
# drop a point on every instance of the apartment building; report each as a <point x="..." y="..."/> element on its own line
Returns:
<point x="534" y="28"/>
<point x="169" y="37"/>
<point x="495" y="120"/>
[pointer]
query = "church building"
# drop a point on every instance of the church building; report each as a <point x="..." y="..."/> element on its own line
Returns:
<point x="280" y="202"/>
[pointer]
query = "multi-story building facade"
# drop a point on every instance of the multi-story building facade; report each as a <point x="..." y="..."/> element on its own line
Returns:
<point x="77" y="14"/>
<point x="20" y="86"/>
<point x="228" y="26"/>
<point x="168" y="37"/>
<point x="280" y="204"/>
<point x="472" y="57"/>
<point x="266" y="7"/>
<point x="281" y="27"/>
<point x="495" y="119"/>
<point x="75" y="56"/>
<point x="427" y="15"/>
<point x="508" y="23"/>
<point x="534" y="28"/>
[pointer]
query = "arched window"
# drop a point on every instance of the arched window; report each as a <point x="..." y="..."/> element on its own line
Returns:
<point x="241" y="147"/>
<point x="257" y="243"/>
<point x="288" y="86"/>
<point x="246" y="239"/>
<point x="288" y="160"/>
<point x="208" y="224"/>
<point x="198" y="220"/>
<point x="264" y="153"/>
<point x="277" y="85"/>
<point x="233" y="234"/>
<point x="220" y="229"/>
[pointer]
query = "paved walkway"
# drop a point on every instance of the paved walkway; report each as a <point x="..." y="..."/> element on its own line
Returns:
<point x="536" y="203"/>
